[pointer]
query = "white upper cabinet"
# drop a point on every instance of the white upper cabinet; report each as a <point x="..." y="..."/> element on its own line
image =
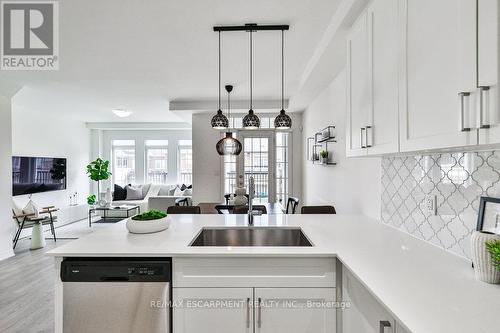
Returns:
<point x="372" y="81"/>
<point x="487" y="70"/>
<point x="431" y="112"/>
<point x="358" y="88"/>
<point x="382" y="125"/>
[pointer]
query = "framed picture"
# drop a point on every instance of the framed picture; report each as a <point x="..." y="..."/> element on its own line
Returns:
<point x="489" y="215"/>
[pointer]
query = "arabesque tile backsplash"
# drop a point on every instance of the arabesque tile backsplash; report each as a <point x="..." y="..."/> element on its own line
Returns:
<point x="457" y="179"/>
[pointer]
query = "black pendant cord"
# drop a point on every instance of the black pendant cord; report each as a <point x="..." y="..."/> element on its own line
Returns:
<point x="251" y="69"/>
<point x="229" y="109"/>
<point x="219" y="70"/>
<point x="282" y="71"/>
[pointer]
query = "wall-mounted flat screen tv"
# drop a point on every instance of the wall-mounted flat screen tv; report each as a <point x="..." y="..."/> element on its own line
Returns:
<point x="37" y="174"/>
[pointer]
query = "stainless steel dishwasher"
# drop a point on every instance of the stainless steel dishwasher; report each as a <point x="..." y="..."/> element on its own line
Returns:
<point x="116" y="295"/>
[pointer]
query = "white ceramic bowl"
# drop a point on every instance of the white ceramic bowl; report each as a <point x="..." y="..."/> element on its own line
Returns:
<point x="147" y="227"/>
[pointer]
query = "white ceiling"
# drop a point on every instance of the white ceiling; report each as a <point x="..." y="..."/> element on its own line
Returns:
<point x="139" y="55"/>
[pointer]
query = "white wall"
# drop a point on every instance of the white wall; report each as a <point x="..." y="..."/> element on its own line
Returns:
<point x="40" y="134"/>
<point x="207" y="164"/>
<point x="6" y="223"/>
<point x="353" y="185"/>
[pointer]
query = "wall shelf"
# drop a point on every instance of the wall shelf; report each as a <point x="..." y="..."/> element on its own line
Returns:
<point x="319" y="142"/>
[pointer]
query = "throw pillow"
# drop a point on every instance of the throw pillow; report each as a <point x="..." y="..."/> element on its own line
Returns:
<point x="134" y="193"/>
<point x="187" y="192"/>
<point x="17" y="210"/>
<point x="172" y="191"/>
<point x="119" y="193"/>
<point x="183" y="187"/>
<point x="145" y="190"/>
<point x="31" y="208"/>
<point x="190" y="186"/>
<point x="164" y="190"/>
<point x="177" y="192"/>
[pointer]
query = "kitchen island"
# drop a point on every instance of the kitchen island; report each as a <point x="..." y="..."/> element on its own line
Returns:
<point x="423" y="288"/>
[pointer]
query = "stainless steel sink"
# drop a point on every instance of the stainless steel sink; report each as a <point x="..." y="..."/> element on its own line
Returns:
<point x="251" y="236"/>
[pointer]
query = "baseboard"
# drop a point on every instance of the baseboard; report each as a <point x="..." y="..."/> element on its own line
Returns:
<point x="6" y="254"/>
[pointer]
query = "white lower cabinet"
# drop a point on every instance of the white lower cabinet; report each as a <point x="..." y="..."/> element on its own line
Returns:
<point x="221" y="310"/>
<point x="295" y="310"/>
<point x="364" y="314"/>
<point x="262" y="310"/>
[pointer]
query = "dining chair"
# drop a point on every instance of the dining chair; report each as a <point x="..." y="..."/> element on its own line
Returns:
<point x="244" y="209"/>
<point x="318" y="210"/>
<point x="292" y="204"/>
<point x="184" y="210"/>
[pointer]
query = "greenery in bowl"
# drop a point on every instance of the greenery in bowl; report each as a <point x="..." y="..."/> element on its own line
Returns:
<point x="493" y="248"/>
<point x="149" y="216"/>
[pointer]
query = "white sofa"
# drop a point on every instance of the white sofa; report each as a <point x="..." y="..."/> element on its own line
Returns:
<point x="158" y="197"/>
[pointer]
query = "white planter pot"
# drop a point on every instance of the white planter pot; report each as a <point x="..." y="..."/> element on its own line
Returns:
<point x="483" y="268"/>
<point x="147" y="227"/>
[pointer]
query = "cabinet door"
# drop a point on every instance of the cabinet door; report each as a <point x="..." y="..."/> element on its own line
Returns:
<point x="382" y="129"/>
<point x="430" y="116"/>
<point x="294" y="310"/>
<point x="221" y="310"/>
<point x="364" y="313"/>
<point x="358" y="88"/>
<point x="488" y="57"/>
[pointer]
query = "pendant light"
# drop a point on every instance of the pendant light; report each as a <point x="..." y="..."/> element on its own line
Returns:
<point x="251" y="121"/>
<point x="282" y="121"/>
<point x="229" y="145"/>
<point x="219" y="121"/>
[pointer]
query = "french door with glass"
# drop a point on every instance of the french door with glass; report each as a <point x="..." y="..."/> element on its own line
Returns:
<point x="257" y="160"/>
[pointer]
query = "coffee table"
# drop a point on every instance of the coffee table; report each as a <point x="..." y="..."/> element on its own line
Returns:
<point x="125" y="209"/>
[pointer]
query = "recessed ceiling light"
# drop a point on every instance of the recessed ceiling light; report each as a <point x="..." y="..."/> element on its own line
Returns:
<point x="122" y="113"/>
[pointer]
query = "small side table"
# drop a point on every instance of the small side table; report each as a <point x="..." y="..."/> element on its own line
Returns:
<point x="37" y="238"/>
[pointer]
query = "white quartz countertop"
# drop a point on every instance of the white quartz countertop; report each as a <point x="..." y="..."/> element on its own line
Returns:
<point x="426" y="288"/>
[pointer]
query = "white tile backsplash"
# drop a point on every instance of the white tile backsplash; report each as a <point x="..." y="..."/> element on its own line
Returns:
<point x="457" y="179"/>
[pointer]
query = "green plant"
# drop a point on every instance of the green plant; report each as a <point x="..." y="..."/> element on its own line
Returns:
<point x="98" y="170"/>
<point x="323" y="154"/>
<point x="151" y="215"/>
<point x="91" y="199"/>
<point x="493" y="248"/>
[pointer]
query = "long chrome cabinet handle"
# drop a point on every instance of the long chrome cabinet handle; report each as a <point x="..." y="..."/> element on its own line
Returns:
<point x="368" y="128"/>
<point x="248" y="312"/>
<point x="383" y="325"/>
<point x="482" y="91"/>
<point x="463" y="95"/>
<point x="362" y="137"/>
<point x="259" y="313"/>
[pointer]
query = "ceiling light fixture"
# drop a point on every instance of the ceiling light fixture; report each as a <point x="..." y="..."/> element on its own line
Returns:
<point x="219" y="121"/>
<point x="251" y="121"/>
<point x="282" y="121"/>
<point x="122" y="113"/>
<point x="229" y="145"/>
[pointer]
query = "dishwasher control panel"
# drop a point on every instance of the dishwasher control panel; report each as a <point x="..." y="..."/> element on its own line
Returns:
<point x="116" y="270"/>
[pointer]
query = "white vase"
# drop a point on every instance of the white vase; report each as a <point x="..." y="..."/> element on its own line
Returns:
<point x="147" y="227"/>
<point x="481" y="257"/>
<point x="240" y="199"/>
<point x="108" y="197"/>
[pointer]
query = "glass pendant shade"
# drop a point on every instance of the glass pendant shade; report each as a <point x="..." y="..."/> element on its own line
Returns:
<point x="283" y="121"/>
<point x="220" y="121"/>
<point x="228" y="145"/>
<point x="251" y="121"/>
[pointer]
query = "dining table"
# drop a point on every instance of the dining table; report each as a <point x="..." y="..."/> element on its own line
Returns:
<point x="273" y="208"/>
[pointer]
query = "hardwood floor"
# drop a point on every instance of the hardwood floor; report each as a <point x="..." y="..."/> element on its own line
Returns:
<point x="27" y="290"/>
